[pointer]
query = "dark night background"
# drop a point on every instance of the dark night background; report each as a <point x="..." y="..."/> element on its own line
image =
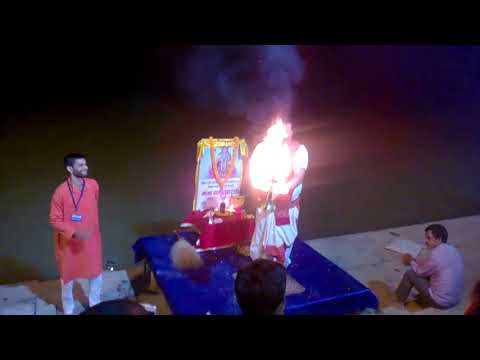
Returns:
<point x="392" y="133"/>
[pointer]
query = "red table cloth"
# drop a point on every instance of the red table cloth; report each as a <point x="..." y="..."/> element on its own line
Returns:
<point x="235" y="230"/>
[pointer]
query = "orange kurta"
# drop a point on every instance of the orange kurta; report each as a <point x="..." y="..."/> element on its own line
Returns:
<point x="76" y="259"/>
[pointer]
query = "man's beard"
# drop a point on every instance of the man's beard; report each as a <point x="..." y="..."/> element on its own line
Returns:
<point x="79" y="174"/>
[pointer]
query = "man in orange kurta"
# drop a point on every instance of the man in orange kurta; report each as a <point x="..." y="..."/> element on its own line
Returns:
<point x="78" y="244"/>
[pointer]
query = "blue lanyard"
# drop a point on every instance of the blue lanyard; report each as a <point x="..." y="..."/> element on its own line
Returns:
<point x="76" y="204"/>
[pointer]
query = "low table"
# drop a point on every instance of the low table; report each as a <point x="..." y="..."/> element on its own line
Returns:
<point x="329" y="290"/>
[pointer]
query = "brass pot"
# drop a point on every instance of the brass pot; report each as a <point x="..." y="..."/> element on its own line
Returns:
<point x="237" y="201"/>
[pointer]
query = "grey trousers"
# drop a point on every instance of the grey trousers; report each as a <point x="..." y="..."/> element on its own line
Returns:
<point x="412" y="280"/>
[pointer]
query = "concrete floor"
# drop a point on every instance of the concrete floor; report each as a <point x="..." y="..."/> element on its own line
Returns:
<point x="364" y="256"/>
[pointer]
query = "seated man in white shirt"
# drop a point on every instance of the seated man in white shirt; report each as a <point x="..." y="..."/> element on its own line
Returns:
<point x="438" y="278"/>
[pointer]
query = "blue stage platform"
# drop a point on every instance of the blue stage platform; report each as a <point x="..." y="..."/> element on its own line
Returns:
<point x="329" y="290"/>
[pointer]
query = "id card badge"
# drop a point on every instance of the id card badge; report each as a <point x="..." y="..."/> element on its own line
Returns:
<point x="76" y="217"/>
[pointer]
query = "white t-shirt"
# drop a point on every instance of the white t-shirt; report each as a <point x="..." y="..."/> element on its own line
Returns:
<point x="300" y="161"/>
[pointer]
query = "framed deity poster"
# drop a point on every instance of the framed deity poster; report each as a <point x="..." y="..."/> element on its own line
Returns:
<point x="219" y="172"/>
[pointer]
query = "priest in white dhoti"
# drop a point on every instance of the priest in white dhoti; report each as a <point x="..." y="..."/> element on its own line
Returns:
<point x="277" y="168"/>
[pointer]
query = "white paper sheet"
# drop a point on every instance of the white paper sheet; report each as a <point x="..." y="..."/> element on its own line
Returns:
<point x="404" y="246"/>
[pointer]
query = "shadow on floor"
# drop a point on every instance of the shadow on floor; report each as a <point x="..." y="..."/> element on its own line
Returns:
<point x="12" y="271"/>
<point x="386" y="297"/>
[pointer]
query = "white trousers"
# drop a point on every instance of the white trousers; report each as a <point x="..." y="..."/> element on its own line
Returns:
<point x="94" y="294"/>
<point x="267" y="233"/>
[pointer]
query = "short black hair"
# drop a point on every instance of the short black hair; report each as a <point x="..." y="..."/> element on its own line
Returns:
<point x="475" y="300"/>
<point x="438" y="231"/>
<point x="260" y="287"/>
<point x="117" y="307"/>
<point x="69" y="159"/>
<point x="476" y="290"/>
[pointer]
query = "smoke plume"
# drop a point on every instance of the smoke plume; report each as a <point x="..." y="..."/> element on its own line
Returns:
<point x="257" y="81"/>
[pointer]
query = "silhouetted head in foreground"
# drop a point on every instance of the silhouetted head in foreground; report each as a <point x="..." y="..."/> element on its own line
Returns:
<point x="117" y="307"/>
<point x="474" y="306"/>
<point x="260" y="288"/>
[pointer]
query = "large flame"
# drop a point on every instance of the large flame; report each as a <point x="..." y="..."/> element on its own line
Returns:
<point x="271" y="164"/>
